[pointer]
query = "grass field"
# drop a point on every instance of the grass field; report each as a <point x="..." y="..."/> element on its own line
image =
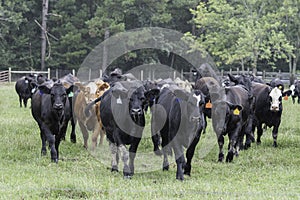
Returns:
<point x="262" y="172"/>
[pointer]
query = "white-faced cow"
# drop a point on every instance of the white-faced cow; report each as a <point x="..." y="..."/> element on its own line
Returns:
<point x="178" y="118"/>
<point x="268" y="109"/>
<point x="51" y="110"/>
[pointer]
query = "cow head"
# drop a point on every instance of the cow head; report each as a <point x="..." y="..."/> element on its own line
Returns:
<point x="136" y="102"/>
<point x="58" y="95"/>
<point x="275" y="99"/>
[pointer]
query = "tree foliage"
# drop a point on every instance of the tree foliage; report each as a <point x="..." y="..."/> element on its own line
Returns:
<point x="244" y="32"/>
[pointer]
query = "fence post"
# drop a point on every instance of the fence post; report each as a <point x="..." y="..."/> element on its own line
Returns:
<point x="73" y="72"/>
<point x="49" y="73"/>
<point x="142" y="75"/>
<point x="264" y="75"/>
<point x="56" y="73"/>
<point x="230" y="71"/>
<point x="90" y="73"/>
<point x="100" y="73"/>
<point x="9" y="74"/>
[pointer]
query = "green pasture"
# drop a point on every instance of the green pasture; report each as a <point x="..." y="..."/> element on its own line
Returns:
<point x="262" y="172"/>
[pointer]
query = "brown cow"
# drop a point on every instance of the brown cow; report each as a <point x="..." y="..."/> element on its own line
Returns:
<point x="91" y="123"/>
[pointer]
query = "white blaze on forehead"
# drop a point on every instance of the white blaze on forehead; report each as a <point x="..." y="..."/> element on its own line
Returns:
<point x="292" y="88"/>
<point x="198" y="97"/>
<point x="275" y="94"/>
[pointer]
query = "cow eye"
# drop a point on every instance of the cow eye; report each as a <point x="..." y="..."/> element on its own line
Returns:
<point x="280" y="98"/>
<point x="142" y="98"/>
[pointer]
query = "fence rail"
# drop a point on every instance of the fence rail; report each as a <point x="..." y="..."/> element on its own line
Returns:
<point x="4" y="76"/>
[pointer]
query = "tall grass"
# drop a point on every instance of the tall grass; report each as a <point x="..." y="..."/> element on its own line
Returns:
<point x="262" y="172"/>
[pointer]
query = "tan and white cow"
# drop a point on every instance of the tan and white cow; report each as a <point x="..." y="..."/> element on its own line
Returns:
<point x="85" y="95"/>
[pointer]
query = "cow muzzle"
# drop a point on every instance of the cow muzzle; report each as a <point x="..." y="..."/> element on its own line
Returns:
<point x="58" y="106"/>
<point x="274" y="108"/>
<point x="136" y="111"/>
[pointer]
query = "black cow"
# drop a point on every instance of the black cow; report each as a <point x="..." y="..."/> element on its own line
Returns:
<point x="294" y="91"/>
<point x="122" y="116"/>
<point x="27" y="85"/>
<point x="25" y="88"/>
<point x="69" y="81"/>
<point x="178" y="118"/>
<point x="231" y="115"/>
<point x="268" y="109"/>
<point x="205" y="84"/>
<point x="50" y="109"/>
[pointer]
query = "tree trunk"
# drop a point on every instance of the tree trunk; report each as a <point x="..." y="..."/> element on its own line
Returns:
<point x="43" y="35"/>
<point x="105" y="51"/>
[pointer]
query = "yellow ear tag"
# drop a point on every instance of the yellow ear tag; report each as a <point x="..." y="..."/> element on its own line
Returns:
<point x="286" y="97"/>
<point x="236" y="111"/>
<point x="280" y="87"/>
<point x="208" y="105"/>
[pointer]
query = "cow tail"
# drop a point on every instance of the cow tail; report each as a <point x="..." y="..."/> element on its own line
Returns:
<point x="89" y="106"/>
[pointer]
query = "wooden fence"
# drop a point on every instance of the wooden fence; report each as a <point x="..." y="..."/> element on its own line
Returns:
<point x="6" y="76"/>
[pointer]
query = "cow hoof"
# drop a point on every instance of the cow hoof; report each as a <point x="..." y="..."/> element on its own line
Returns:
<point x="275" y="144"/>
<point x="229" y="157"/>
<point x="55" y="160"/>
<point x="180" y="178"/>
<point x="114" y="169"/>
<point x="44" y="152"/>
<point x="73" y="140"/>
<point x="158" y="152"/>
<point x="127" y="177"/>
<point x="247" y="146"/>
<point x="187" y="170"/>
<point x="221" y="157"/>
<point x="166" y="168"/>
<point x="258" y="142"/>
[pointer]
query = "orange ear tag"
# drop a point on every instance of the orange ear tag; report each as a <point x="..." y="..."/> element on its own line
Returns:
<point x="286" y="97"/>
<point x="208" y="105"/>
<point x="236" y="111"/>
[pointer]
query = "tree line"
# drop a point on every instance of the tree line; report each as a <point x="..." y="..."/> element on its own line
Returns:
<point x="258" y="34"/>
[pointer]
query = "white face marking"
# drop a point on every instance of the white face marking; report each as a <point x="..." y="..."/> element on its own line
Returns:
<point x="198" y="97"/>
<point x="275" y="94"/>
<point x="293" y="89"/>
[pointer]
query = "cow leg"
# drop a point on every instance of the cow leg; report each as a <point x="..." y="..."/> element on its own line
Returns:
<point x="274" y="134"/>
<point x="114" y="157"/>
<point x="125" y="158"/>
<point x="190" y="153"/>
<point x="132" y="153"/>
<point x="205" y="124"/>
<point x="233" y="142"/>
<point x="156" y="141"/>
<point x="180" y="161"/>
<point x="20" y="101"/>
<point x="85" y="134"/>
<point x="44" y="149"/>
<point x="259" y="133"/>
<point x="96" y="133"/>
<point x="221" y="144"/>
<point x="25" y="102"/>
<point x="57" y="142"/>
<point x="73" y="134"/>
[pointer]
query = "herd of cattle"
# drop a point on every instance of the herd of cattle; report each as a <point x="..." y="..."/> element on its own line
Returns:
<point x="115" y="106"/>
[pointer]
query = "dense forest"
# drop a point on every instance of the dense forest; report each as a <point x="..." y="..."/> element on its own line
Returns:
<point x="256" y="34"/>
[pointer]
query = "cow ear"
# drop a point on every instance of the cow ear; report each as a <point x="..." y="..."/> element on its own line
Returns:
<point x="44" y="89"/>
<point x="71" y="89"/>
<point x="104" y="86"/>
<point x="232" y="78"/>
<point x="287" y="93"/>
